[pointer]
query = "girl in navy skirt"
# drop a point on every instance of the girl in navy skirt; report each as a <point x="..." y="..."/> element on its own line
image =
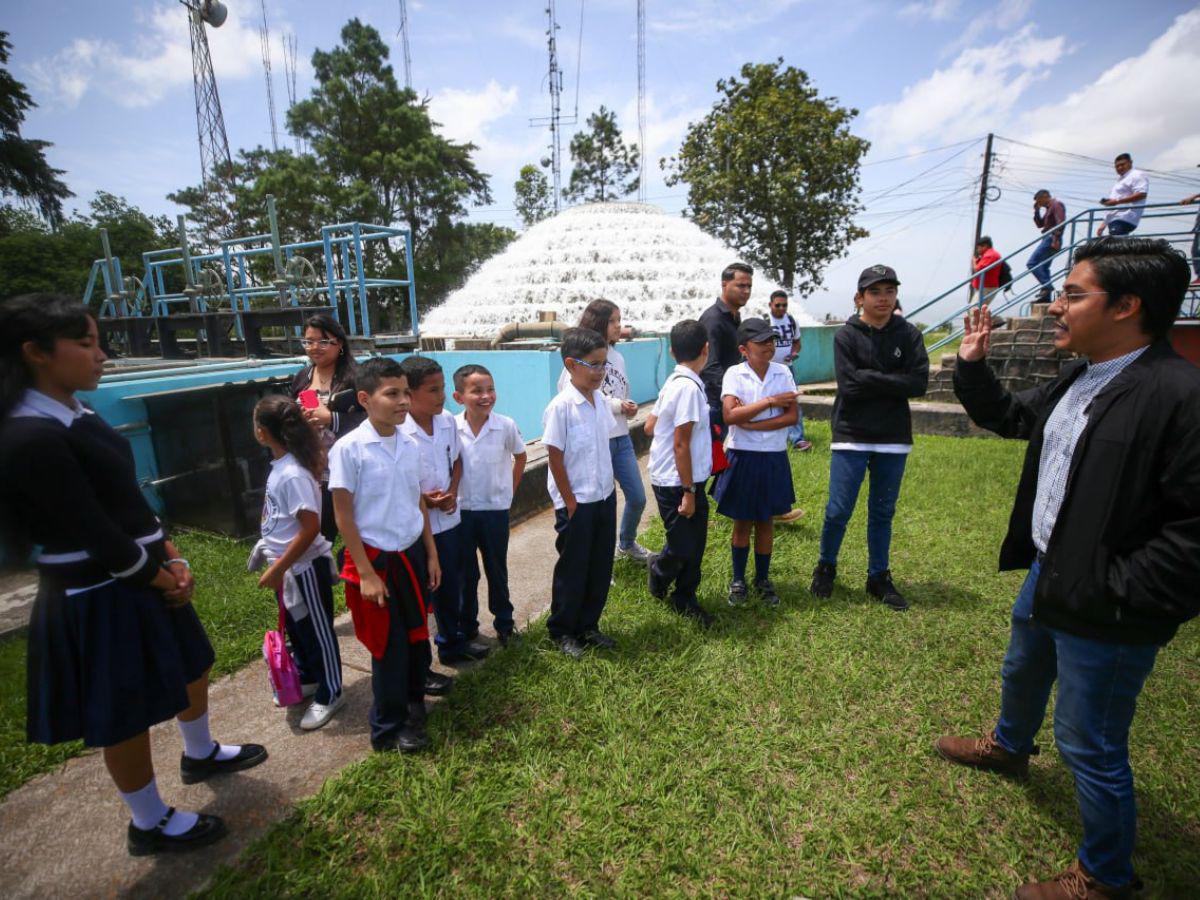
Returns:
<point x="114" y="643"/>
<point x="758" y="400"/>
<point x="301" y="565"/>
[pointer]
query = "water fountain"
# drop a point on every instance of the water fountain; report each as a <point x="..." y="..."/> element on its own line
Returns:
<point x="657" y="268"/>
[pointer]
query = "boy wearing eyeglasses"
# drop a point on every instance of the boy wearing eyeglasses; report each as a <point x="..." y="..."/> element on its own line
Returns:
<point x="575" y="429"/>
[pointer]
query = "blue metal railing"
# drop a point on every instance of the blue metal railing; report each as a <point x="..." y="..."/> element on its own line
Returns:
<point x="1077" y="230"/>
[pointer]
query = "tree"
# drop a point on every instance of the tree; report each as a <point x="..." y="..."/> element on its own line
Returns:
<point x="24" y="171"/>
<point x="606" y="168"/>
<point x="533" y="195"/>
<point x="773" y="171"/>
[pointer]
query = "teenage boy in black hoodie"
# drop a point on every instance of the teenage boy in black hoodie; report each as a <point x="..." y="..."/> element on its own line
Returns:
<point x="880" y="362"/>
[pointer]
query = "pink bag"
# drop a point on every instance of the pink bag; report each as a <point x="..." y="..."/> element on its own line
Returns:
<point x="285" y="678"/>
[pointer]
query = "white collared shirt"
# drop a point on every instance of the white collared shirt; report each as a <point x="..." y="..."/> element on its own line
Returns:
<point x="1132" y="182"/>
<point x="488" y="462"/>
<point x="439" y="451"/>
<point x="741" y="382"/>
<point x="36" y="405"/>
<point x="291" y="489"/>
<point x="384" y="477"/>
<point x="580" y="430"/>
<point x="681" y="400"/>
<point x="615" y="388"/>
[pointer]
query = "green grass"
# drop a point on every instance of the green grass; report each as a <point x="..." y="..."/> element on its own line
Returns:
<point x="235" y="613"/>
<point x="952" y="347"/>
<point x="782" y="753"/>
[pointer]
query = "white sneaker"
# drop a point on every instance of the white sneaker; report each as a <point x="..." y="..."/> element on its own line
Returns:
<point x="306" y="691"/>
<point x="637" y="553"/>
<point x="320" y="713"/>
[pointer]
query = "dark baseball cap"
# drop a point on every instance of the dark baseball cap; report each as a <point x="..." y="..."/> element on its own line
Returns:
<point x="754" y="331"/>
<point x="875" y="274"/>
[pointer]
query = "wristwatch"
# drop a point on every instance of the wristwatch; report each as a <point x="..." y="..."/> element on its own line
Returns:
<point x="690" y="489"/>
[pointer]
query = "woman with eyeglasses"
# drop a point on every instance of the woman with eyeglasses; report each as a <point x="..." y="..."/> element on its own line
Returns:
<point x="325" y="391"/>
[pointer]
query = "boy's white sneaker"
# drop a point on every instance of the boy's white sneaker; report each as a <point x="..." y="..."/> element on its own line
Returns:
<point x="306" y="691"/>
<point x="320" y="713"/>
<point x="635" y="552"/>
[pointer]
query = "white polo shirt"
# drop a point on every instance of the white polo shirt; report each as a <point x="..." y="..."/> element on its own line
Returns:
<point x="680" y="401"/>
<point x="741" y="382"/>
<point x="439" y="451"/>
<point x="580" y="430"/>
<point x="384" y="475"/>
<point x="1132" y="182"/>
<point x="291" y="489"/>
<point x="487" y="462"/>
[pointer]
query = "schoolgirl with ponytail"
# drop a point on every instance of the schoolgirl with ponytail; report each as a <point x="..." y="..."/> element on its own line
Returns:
<point x="301" y="564"/>
<point x="115" y="645"/>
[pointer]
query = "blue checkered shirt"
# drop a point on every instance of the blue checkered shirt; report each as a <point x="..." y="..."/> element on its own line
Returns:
<point x="1063" y="429"/>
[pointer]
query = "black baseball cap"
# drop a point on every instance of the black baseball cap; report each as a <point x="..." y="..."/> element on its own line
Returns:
<point x="875" y="274"/>
<point x="754" y="331"/>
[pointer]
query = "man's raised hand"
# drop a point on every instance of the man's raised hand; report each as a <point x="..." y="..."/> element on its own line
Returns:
<point x="977" y="334"/>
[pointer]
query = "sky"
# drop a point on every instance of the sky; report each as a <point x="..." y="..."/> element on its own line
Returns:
<point x="930" y="78"/>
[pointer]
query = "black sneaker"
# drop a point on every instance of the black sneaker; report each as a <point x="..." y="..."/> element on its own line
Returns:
<point x="822" y="580"/>
<point x="881" y="588"/>
<point x="192" y="771"/>
<point x="412" y="739"/>
<point x="658" y="587"/>
<point x="598" y="639"/>
<point x="570" y="646"/>
<point x="508" y="638"/>
<point x="692" y="610"/>
<point x="470" y="651"/>
<point x="738" y="593"/>
<point x="437" y="684"/>
<point x="765" y="591"/>
<point x="149" y="841"/>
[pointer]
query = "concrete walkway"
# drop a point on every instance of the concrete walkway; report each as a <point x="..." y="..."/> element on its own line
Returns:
<point x="63" y="834"/>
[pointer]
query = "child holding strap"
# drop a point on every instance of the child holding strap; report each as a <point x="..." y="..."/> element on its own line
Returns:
<point x="300" y="570"/>
<point x="493" y="454"/>
<point x="758" y="400"/>
<point x="390" y="560"/>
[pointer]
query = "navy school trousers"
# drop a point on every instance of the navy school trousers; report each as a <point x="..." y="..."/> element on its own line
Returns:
<point x="314" y="643"/>
<point x="586" y="542"/>
<point x="447" y="599"/>
<point x="686" y="539"/>
<point x="399" y="677"/>
<point x="485" y="534"/>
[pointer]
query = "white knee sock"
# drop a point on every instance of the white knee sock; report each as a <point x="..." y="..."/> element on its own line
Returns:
<point x="198" y="742"/>
<point x="148" y="809"/>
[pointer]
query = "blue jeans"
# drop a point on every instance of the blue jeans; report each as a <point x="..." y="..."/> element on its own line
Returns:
<point x="1120" y="228"/>
<point x="1196" y="247"/>
<point x="1098" y="687"/>
<point x="796" y="433"/>
<point x="1039" y="261"/>
<point x="846" y="471"/>
<point x="629" y="477"/>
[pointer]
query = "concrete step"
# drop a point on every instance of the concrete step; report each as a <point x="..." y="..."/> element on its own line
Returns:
<point x="949" y="360"/>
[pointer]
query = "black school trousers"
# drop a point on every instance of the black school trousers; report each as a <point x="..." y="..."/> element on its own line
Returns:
<point x="586" y="542"/>
<point x="686" y="539"/>
<point x="399" y="678"/>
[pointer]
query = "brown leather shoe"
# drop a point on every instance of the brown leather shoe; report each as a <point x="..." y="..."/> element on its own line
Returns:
<point x="1073" y="884"/>
<point x="984" y="753"/>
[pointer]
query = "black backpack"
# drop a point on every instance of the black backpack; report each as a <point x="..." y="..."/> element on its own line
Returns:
<point x="1005" y="274"/>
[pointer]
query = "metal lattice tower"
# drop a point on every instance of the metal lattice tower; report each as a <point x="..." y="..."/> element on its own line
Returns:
<point x="215" y="161"/>
<point x="554" y="120"/>
<point x="289" y="76"/>
<point x="264" y="37"/>
<point x="403" y="33"/>
<point x="641" y="64"/>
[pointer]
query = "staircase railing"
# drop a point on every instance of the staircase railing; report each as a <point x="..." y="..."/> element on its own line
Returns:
<point x="1077" y="230"/>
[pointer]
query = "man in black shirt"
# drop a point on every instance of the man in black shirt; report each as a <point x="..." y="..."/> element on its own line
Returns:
<point x="721" y="321"/>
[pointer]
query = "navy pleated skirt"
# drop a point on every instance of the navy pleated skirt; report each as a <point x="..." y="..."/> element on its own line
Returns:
<point x="106" y="664"/>
<point x="756" y="486"/>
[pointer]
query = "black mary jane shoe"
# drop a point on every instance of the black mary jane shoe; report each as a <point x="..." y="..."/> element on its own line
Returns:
<point x="148" y="842"/>
<point x="192" y="771"/>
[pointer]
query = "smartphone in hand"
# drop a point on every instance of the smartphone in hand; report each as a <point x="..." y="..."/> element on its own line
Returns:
<point x="308" y="399"/>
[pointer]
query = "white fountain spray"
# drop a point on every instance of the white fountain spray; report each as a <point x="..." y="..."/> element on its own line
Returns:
<point x="657" y="268"/>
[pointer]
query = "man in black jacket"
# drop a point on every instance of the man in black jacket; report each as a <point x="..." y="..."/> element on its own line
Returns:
<point x="1107" y="520"/>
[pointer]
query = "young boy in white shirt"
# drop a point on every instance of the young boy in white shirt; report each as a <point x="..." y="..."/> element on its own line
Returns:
<point x="493" y="457"/>
<point x="390" y="561"/>
<point x="436" y="434"/>
<point x="680" y="463"/>
<point x="575" y="429"/>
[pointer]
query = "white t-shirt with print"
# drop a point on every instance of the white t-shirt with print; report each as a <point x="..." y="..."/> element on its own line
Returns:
<point x="786" y="331"/>
<point x="291" y="489"/>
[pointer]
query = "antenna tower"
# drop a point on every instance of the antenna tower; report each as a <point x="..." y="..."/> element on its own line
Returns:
<point x="641" y="64"/>
<point x="264" y="36"/>
<point x="555" y="119"/>
<point x="210" y="123"/>
<point x="289" y="76"/>
<point x="403" y="33"/>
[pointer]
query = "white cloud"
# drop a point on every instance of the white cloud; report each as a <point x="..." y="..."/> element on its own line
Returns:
<point x="1004" y="15"/>
<point x="665" y="126"/>
<point x="935" y="10"/>
<point x="975" y="93"/>
<point x="132" y="78"/>
<point x="706" y="18"/>
<point x="465" y="115"/>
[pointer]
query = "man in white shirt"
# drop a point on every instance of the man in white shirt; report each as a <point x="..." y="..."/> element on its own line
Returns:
<point x="680" y="463"/>
<point x="575" y="429"/>
<point x="787" y="348"/>
<point x="1128" y="196"/>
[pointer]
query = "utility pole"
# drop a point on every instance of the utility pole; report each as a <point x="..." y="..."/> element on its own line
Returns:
<point x="407" y="55"/>
<point x="555" y="118"/>
<point x="641" y="63"/>
<point x="983" y="189"/>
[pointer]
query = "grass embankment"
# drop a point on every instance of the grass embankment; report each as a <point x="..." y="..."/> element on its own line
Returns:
<point x="235" y="613"/>
<point x="782" y="753"/>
